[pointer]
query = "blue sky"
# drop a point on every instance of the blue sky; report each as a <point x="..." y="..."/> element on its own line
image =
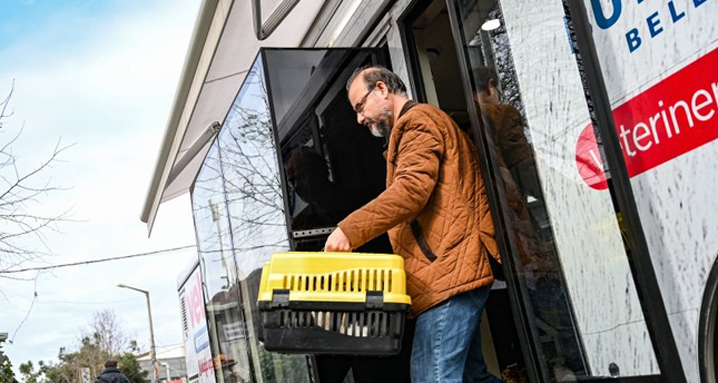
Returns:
<point x="22" y="18"/>
<point x="100" y="76"/>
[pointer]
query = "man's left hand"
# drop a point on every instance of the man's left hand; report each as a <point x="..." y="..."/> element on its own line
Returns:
<point x="338" y="241"/>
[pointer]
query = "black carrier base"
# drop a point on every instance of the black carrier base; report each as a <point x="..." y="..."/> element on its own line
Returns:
<point x="356" y="331"/>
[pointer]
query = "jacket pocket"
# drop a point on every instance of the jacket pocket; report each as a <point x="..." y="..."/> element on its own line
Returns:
<point x="419" y="237"/>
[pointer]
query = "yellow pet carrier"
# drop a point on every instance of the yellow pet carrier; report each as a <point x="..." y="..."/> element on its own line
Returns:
<point x="333" y="303"/>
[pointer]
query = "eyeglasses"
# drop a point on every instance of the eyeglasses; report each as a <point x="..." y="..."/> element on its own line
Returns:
<point x="359" y="107"/>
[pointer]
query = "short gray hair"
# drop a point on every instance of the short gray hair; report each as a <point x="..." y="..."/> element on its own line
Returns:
<point x="372" y="74"/>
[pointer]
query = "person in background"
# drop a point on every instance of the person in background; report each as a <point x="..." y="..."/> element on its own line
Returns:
<point x="436" y="212"/>
<point x="112" y="374"/>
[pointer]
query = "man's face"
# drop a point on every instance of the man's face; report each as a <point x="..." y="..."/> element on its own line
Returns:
<point x="372" y="107"/>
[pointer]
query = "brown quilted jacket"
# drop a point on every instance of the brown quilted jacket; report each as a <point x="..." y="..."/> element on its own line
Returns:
<point x="434" y="207"/>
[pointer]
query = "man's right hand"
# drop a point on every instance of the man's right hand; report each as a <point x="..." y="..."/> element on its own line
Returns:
<point x="338" y="241"/>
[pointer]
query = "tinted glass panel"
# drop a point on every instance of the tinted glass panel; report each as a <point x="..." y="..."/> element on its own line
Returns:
<point x="228" y="336"/>
<point x="256" y="212"/>
<point x="332" y="164"/>
<point x="238" y="195"/>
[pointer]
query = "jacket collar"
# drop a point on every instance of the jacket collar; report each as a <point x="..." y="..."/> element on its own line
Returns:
<point x="110" y="370"/>
<point x="408" y="105"/>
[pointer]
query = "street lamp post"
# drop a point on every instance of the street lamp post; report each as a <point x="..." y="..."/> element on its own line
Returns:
<point x="167" y="366"/>
<point x="153" y="353"/>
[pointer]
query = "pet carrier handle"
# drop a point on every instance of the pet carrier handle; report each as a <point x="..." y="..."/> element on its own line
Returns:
<point x="280" y="299"/>
<point x="375" y="300"/>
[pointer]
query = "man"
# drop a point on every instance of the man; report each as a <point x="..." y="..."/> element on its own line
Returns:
<point x="436" y="212"/>
<point x="112" y="374"/>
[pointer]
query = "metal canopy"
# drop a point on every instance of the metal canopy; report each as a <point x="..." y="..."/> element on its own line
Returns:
<point x="222" y="49"/>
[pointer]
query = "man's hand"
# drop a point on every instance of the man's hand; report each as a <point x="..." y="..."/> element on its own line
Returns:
<point x="337" y="241"/>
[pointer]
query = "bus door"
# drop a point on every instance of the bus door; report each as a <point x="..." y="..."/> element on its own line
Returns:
<point x="565" y="305"/>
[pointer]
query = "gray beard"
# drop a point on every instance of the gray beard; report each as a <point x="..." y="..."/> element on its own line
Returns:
<point x="381" y="131"/>
<point x="382" y="127"/>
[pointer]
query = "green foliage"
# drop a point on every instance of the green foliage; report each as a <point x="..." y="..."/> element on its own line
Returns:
<point x="131" y="368"/>
<point x="29" y="375"/>
<point x="6" y="373"/>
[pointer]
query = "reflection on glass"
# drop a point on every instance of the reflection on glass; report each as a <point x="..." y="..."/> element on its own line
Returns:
<point x="237" y="194"/>
<point x="320" y="201"/>
<point x="256" y="211"/>
<point x="559" y="334"/>
<point x="497" y="96"/>
<point x="332" y="164"/>
<point x="226" y="319"/>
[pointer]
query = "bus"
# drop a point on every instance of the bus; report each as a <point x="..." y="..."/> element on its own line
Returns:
<point x="605" y="218"/>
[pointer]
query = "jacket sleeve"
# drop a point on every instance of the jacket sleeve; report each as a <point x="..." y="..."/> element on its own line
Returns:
<point x="418" y="158"/>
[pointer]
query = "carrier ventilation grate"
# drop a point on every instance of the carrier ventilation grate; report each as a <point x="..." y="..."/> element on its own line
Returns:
<point x="350" y="281"/>
<point x="358" y="324"/>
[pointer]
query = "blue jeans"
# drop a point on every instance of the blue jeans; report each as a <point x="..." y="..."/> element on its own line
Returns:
<point x="447" y="341"/>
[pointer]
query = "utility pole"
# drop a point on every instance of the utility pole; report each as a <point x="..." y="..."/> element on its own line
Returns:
<point x="153" y="352"/>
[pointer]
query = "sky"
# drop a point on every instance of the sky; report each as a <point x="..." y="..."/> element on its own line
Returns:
<point x="98" y="76"/>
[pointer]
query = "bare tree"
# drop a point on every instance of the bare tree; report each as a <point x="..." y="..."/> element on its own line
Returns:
<point x="102" y="340"/>
<point x="23" y="224"/>
<point x="105" y="331"/>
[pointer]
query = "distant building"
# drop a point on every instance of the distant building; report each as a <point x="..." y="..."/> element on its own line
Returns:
<point x="172" y="365"/>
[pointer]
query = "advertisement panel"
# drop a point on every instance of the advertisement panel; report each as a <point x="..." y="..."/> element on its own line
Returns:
<point x="198" y="355"/>
<point x="659" y="61"/>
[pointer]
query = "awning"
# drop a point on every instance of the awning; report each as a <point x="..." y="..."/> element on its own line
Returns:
<point x="222" y="49"/>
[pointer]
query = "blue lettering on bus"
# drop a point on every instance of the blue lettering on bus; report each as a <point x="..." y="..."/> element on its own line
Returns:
<point x="601" y="19"/>
<point x="654" y="24"/>
<point x="633" y="40"/>
<point x="672" y="9"/>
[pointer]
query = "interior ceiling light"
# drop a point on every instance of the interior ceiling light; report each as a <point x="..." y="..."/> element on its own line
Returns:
<point x="490" y="25"/>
